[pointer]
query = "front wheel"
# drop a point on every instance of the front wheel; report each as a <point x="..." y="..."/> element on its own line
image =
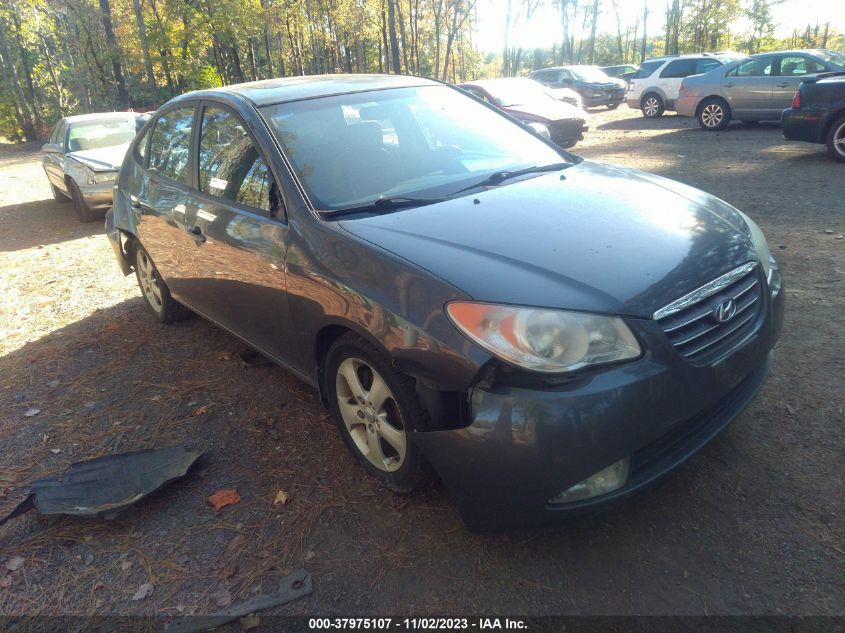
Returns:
<point x="714" y="115"/>
<point x="376" y="409"/>
<point x="653" y="106"/>
<point x="155" y="292"/>
<point x="58" y="195"/>
<point x="83" y="211"/>
<point x="836" y="140"/>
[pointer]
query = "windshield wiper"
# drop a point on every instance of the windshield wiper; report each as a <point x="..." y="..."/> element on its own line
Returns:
<point x="498" y="177"/>
<point x="390" y="203"/>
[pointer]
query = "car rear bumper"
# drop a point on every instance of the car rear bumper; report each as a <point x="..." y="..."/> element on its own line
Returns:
<point x="685" y="105"/>
<point x="526" y="445"/>
<point x="801" y="125"/>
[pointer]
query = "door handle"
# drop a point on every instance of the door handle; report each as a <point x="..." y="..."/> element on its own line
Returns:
<point x="728" y="85"/>
<point x="783" y="85"/>
<point x="197" y="233"/>
<point x="137" y="203"/>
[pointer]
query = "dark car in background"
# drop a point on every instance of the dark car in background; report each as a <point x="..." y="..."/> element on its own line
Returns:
<point x="757" y="88"/>
<point x="529" y="102"/>
<point x="817" y="114"/>
<point x="594" y="86"/>
<point x="546" y="333"/>
<point x="621" y="71"/>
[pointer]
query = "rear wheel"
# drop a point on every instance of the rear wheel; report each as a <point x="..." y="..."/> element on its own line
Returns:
<point x="155" y="292"/>
<point x="58" y="195"/>
<point x="714" y="115"/>
<point x="376" y="408"/>
<point x="653" y="106"/>
<point x="836" y="140"/>
<point x="83" y="211"/>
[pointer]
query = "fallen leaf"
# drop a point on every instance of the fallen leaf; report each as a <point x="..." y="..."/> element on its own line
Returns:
<point x="125" y="565"/>
<point x="281" y="497"/>
<point x="111" y="328"/>
<point x="5" y="582"/>
<point x="792" y="408"/>
<point x="223" y="498"/>
<point x="201" y="410"/>
<point x="144" y="591"/>
<point x="224" y="356"/>
<point x="55" y="451"/>
<point x="250" y="622"/>
<point x="53" y="383"/>
<point x="15" y="563"/>
<point x="222" y="597"/>
<point x="32" y="411"/>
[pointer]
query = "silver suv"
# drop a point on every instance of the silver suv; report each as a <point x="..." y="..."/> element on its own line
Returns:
<point x="654" y="88"/>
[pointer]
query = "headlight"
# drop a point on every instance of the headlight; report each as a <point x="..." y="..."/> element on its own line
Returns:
<point x="96" y="177"/>
<point x="550" y="341"/>
<point x="761" y="247"/>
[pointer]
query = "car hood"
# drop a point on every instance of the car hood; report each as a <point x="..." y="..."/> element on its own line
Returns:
<point x="103" y="158"/>
<point x="549" y="109"/>
<point x="600" y="239"/>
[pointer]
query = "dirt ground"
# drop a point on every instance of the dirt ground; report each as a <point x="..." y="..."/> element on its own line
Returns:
<point x="755" y="524"/>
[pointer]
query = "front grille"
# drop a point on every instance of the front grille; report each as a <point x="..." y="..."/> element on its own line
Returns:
<point x="693" y="325"/>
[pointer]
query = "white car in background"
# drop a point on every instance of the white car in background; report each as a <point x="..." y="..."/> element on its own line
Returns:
<point x="655" y="86"/>
<point x="83" y="156"/>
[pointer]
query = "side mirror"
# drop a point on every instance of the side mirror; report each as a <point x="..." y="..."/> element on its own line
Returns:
<point x="51" y="148"/>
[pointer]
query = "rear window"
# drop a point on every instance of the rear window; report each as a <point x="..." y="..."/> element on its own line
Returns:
<point x="647" y="69"/>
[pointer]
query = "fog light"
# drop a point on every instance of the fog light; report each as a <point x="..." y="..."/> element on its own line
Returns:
<point x="611" y="478"/>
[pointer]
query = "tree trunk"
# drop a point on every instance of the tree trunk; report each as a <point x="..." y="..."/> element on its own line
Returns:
<point x="645" y="31"/>
<point x="114" y="54"/>
<point x="11" y="75"/>
<point x="394" y="42"/>
<point x="591" y="55"/>
<point x="145" y="49"/>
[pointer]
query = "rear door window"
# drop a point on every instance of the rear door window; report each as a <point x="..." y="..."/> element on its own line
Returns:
<point x="679" y="68"/>
<point x="797" y="65"/>
<point x="230" y="165"/>
<point x="170" y="143"/>
<point x="706" y="65"/>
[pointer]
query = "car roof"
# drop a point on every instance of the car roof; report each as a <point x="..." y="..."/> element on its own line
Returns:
<point x="100" y="116"/>
<point x="282" y="90"/>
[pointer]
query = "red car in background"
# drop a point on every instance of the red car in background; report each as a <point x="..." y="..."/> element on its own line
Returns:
<point x="526" y="100"/>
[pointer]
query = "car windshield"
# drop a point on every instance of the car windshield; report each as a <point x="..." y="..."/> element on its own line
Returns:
<point x="423" y="143"/>
<point x="831" y="57"/>
<point x="589" y="73"/>
<point x="99" y="133"/>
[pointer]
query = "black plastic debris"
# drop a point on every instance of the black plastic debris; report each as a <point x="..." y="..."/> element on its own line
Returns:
<point x="291" y="587"/>
<point x="106" y="486"/>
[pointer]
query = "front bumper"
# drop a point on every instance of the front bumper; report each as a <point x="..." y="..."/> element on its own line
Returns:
<point x="98" y="196"/>
<point x="526" y="445"/>
<point x="595" y="98"/>
<point x="801" y="125"/>
<point x="685" y="105"/>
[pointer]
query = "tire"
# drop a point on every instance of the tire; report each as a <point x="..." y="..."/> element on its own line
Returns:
<point x="58" y="195"/>
<point x="374" y="406"/>
<point x="155" y="292"/>
<point x="835" y="139"/>
<point x="652" y="106"/>
<point x="714" y="115"/>
<point x="83" y="211"/>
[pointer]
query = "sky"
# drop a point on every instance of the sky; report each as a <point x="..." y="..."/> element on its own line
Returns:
<point x="544" y="26"/>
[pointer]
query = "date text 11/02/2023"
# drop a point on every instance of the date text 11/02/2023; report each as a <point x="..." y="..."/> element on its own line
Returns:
<point x="417" y="624"/>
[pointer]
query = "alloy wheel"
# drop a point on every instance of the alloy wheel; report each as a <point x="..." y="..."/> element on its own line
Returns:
<point x="371" y="415"/>
<point x="148" y="280"/>
<point x="839" y="140"/>
<point x="712" y="115"/>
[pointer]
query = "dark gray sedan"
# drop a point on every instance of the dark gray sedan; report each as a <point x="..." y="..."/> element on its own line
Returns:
<point x="544" y="333"/>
